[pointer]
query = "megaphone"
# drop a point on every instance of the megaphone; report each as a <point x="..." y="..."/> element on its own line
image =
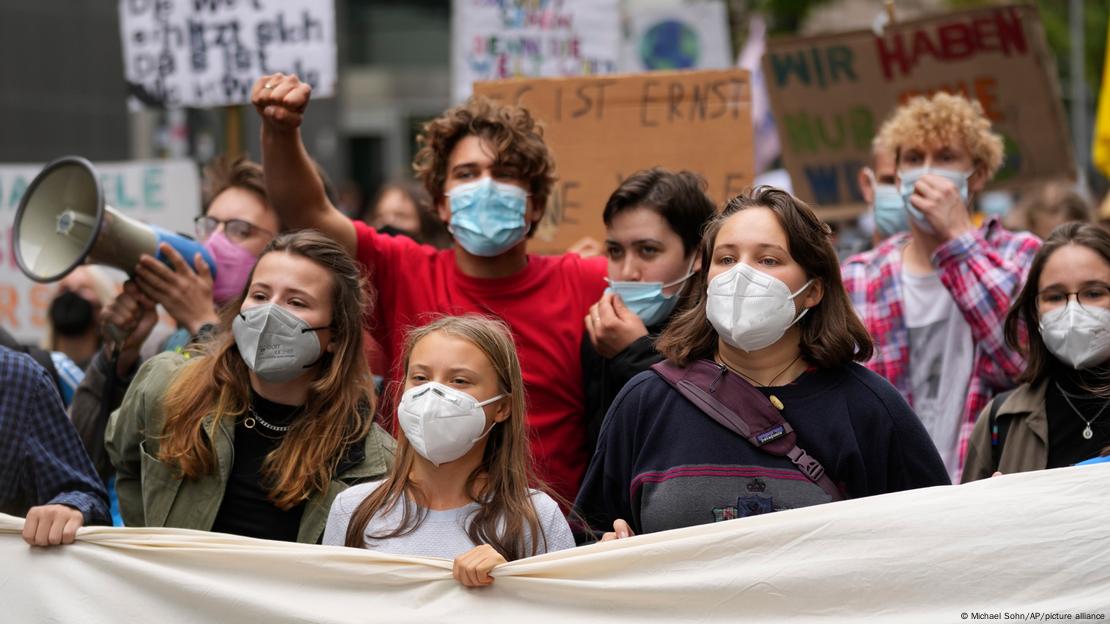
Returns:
<point x="63" y="222"/>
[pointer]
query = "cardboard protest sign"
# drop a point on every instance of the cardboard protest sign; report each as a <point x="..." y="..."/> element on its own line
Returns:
<point x="517" y="38"/>
<point x="830" y="94"/>
<point x="603" y="129"/>
<point x="163" y="192"/>
<point x="204" y="53"/>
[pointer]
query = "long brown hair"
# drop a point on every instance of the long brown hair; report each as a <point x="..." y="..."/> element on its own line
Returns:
<point x="336" y="414"/>
<point x="505" y="516"/>
<point x="1023" y="332"/>
<point x="832" y="334"/>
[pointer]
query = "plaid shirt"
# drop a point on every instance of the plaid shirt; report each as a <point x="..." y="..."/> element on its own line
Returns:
<point x="983" y="270"/>
<point x="42" y="461"/>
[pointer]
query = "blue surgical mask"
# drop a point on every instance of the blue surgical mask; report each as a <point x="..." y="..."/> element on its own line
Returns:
<point x="910" y="177"/>
<point x="646" y="299"/>
<point x="889" y="210"/>
<point x="487" y="217"/>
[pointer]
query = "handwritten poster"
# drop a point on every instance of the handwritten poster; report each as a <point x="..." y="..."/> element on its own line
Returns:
<point x="497" y="39"/>
<point x="830" y="94"/>
<point x="602" y="129"/>
<point x="676" y="34"/>
<point x="203" y="53"/>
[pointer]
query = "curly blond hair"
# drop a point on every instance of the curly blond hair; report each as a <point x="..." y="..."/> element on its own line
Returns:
<point x="516" y="139"/>
<point x="942" y="119"/>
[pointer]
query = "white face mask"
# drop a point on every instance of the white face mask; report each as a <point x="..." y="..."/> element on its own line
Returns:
<point x="440" y="422"/>
<point x="750" y="309"/>
<point x="1077" y="336"/>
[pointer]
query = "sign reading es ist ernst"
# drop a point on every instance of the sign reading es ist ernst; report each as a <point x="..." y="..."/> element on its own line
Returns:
<point x="830" y="94"/>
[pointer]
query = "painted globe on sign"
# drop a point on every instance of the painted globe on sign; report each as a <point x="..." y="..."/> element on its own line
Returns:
<point x="670" y="45"/>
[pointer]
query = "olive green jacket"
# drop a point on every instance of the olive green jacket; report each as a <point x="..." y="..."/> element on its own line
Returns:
<point x="1026" y="445"/>
<point x="150" y="493"/>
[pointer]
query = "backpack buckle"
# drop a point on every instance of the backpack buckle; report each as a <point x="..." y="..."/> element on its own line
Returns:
<point x="808" y="464"/>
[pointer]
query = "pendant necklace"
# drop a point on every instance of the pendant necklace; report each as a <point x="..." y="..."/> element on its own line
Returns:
<point x="774" y="399"/>
<point x="1088" y="433"/>
<point x="254" y="418"/>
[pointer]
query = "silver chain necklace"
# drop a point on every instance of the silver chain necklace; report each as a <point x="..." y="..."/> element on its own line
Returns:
<point x="1087" y="432"/>
<point x="250" y="421"/>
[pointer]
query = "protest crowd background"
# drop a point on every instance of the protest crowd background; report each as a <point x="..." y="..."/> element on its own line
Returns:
<point x="567" y="308"/>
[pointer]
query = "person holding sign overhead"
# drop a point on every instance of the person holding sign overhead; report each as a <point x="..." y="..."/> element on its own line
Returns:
<point x="934" y="297"/>
<point x="489" y="173"/>
<point x="653" y="225"/>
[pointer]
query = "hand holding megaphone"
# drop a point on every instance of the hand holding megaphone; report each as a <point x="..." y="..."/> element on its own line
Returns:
<point x="63" y="222"/>
<point x="185" y="292"/>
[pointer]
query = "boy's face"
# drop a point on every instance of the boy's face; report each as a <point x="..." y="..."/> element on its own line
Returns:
<point x="472" y="159"/>
<point x="948" y="155"/>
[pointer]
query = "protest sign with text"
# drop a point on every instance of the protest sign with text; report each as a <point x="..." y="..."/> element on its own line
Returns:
<point x="830" y="94"/>
<point x="204" y="53"/>
<point x="603" y="129"/>
<point x="518" y="39"/>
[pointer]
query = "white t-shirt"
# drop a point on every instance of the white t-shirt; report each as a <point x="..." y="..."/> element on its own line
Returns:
<point x="443" y="532"/>
<point x="941" y="362"/>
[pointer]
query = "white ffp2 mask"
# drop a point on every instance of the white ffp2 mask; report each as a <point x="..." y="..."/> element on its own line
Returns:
<point x="440" y="422"/>
<point x="750" y="309"/>
<point x="1077" y="336"/>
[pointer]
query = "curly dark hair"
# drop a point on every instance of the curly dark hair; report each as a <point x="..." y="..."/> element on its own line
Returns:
<point x="512" y="132"/>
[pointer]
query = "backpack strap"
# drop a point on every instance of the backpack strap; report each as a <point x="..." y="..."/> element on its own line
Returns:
<point x="998" y="432"/>
<point x="706" y="384"/>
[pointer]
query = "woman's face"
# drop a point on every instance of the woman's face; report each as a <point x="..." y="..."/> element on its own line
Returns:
<point x="297" y="284"/>
<point x="755" y="237"/>
<point x="1073" y="272"/>
<point x="642" y="247"/>
<point x="459" y="364"/>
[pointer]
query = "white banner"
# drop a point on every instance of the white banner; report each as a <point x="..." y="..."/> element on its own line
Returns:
<point x="1027" y="547"/>
<point x="163" y="192"/>
<point x="491" y="40"/>
<point x="204" y="53"/>
<point x="666" y="35"/>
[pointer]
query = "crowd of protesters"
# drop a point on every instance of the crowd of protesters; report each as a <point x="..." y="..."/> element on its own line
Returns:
<point x="415" y="382"/>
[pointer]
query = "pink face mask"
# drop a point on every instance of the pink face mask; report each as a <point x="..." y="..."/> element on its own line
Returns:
<point x="233" y="267"/>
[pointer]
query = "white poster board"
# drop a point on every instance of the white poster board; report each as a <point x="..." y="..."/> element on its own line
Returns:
<point x="163" y="192"/>
<point x="202" y="53"/>
<point x="522" y="39"/>
<point x="675" y="35"/>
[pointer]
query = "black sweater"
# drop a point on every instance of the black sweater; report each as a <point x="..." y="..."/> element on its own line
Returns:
<point x="662" y="464"/>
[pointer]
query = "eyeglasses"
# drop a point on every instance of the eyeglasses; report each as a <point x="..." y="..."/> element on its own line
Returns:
<point x="1089" y="297"/>
<point x="235" y="229"/>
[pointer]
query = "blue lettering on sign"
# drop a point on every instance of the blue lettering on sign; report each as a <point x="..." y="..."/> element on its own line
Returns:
<point x="153" y="179"/>
<point x="824" y="180"/>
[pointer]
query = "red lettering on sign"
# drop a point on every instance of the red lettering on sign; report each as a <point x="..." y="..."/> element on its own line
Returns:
<point x="1001" y="32"/>
<point x="9" y="302"/>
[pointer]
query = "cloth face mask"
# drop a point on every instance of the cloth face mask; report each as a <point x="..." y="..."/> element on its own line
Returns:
<point x="750" y="309"/>
<point x="440" y="422"/>
<point x="487" y="217"/>
<point x="275" y="343"/>
<point x="1077" y="336"/>
<point x="646" y="299"/>
<point x="910" y="177"/>
<point x="233" y="267"/>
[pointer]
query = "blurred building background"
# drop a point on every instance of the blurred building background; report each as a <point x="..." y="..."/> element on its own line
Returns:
<point x="63" y="90"/>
